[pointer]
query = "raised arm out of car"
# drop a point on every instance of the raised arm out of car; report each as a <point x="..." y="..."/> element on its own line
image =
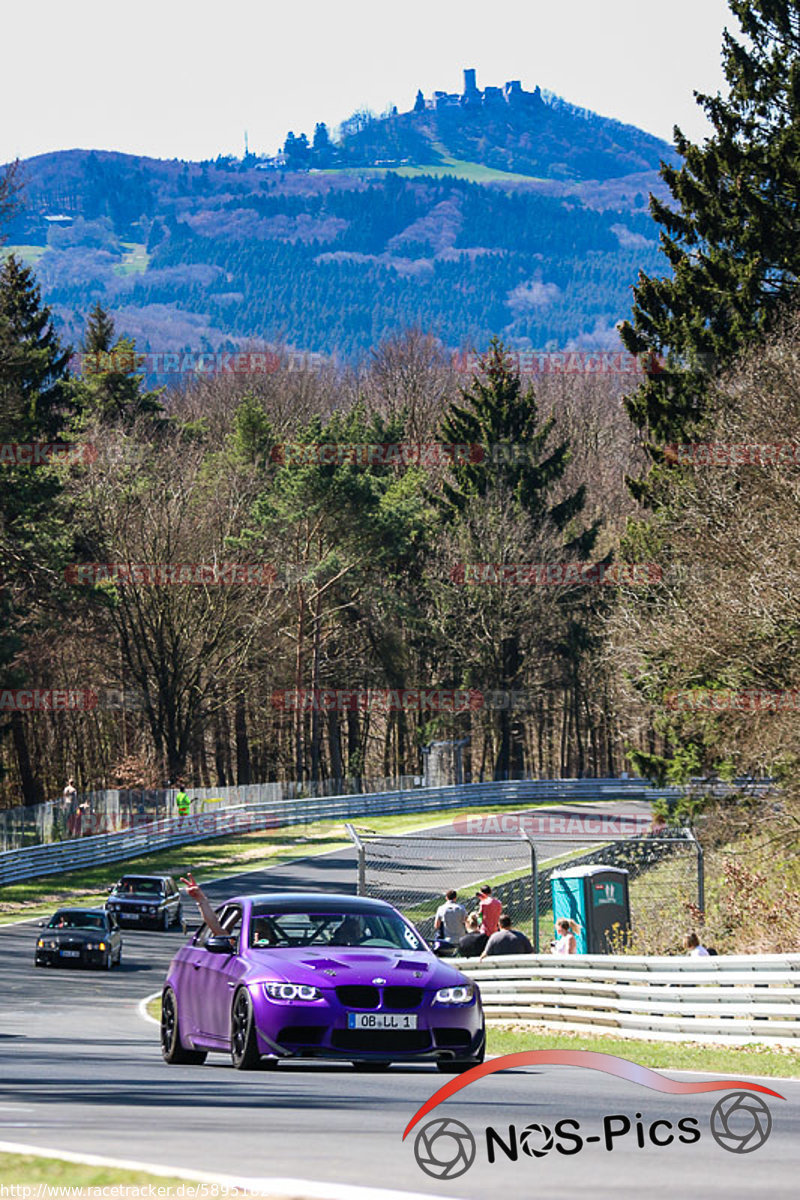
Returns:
<point x="203" y="903"/>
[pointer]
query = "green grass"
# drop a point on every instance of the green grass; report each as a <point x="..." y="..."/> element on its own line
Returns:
<point x="24" y="1170"/>
<point x="213" y="858"/>
<point x="458" y="167"/>
<point x="781" y="1062"/>
<point x="135" y="259"/>
<point x="30" y="255"/>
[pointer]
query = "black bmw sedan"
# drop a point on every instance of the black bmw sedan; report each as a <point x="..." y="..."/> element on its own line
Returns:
<point x="79" y="937"/>
<point x="143" y="900"/>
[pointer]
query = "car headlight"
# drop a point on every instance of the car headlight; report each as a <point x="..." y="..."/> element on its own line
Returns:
<point x="461" y="994"/>
<point x="292" y="991"/>
<point x="153" y="912"/>
<point x="112" y="907"/>
<point x="40" y="943"/>
<point x="95" y="945"/>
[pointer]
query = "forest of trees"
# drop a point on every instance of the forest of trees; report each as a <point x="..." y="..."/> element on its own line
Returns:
<point x="391" y="573"/>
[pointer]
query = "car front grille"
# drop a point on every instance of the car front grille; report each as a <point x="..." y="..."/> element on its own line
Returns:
<point x="402" y="997"/>
<point x="396" y="999"/>
<point x="400" y="1041"/>
<point x="356" y="996"/>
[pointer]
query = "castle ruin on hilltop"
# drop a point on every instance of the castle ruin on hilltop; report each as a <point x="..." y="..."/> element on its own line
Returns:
<point x="473" y="96"/>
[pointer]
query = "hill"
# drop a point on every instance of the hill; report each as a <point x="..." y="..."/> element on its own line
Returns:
<point x="447" y="228"/>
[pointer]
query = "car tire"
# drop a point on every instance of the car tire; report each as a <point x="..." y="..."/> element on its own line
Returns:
<point x="119" y="957"/>
<point x="178" y="916"/>
<point x="109" y="960"/>
<point x="165" y="921"/>
<point x="244" y="1049"/>
<point x="172" y="1049"/>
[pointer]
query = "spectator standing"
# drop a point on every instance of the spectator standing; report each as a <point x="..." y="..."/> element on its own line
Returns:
<point x="473" y="942"/>
<point x="694" y="947"/>
<point x="566" y="931"/>
<point x="490" y="910"/>
<point x="451" y="918"/>
<point x="507" y="940"/>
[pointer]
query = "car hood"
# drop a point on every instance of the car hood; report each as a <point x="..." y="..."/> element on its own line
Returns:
<point x="331" y="966"/>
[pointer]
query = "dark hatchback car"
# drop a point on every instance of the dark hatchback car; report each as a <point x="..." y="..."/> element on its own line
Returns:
<point x="79" y="937"/>
<point x="146" y="900"/>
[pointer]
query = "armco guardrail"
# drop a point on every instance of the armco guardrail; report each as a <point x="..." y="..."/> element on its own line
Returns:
<point x="720" y="998"/>
<point x="52" y="858"/>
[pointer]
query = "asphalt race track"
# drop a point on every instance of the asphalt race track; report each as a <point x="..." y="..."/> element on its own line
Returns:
<point x="81" y="1070"/>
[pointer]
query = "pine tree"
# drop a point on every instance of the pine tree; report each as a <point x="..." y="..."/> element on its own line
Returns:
<point x="419" y="103"/>
<point x="733" y="241"/>
<point x="501" y="422"/>
<point x="33" y="364"/>
<point x="516" y="472"/>
<point x="110" y="390"/>
<point x="34" y="409"/>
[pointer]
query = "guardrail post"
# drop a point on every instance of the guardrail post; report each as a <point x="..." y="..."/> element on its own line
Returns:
<point x="701" y="875"/>
<point x="535" y="896"/>
<point x="362" y="866"/>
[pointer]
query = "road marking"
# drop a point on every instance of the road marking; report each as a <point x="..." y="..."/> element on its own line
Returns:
<point x="267" y="1186"/>
<point x="141" y="1008"/>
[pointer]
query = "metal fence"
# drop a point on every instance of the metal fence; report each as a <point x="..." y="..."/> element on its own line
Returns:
<point x="733" y="999"/>
<point x="414" y="872"/>
<point x="28" y="862"/>
<point x="115" y="809"/>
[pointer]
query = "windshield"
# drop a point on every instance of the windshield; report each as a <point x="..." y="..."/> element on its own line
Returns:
<point x="77" y="920"/>
<point x="142" y="887"/>
<point x="276" y="930"/>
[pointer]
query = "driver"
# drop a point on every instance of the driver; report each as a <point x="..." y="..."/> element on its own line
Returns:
<point x="351" y="932"/>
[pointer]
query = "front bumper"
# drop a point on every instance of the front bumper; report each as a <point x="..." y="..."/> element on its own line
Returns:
<point x="138" y="918"/>
<point x="320" y="1030"/>
<point x="85" y="958"/>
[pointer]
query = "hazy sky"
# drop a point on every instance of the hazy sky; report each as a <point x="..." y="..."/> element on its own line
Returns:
<point x="185" y="78"/>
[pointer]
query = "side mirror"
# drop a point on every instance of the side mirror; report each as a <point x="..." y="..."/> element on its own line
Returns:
<point x="219" y="943"/>
<point x="110" y="888"/>
<point x="41" y="924"/>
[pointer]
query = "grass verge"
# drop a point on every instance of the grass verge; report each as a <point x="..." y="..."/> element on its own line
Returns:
<point x="782" y="1062"/>
<point x="216" y="857"/>
<point x="24" y="1170"/>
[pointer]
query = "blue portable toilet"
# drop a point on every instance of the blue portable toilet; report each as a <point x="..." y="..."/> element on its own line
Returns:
<point x="596" y="897"/>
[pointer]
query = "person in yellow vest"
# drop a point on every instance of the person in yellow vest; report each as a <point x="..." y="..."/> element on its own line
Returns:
<point x="182" y="802"/>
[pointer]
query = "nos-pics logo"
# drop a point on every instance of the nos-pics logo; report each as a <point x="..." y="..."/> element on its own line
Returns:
<point x="740" y="1122"/>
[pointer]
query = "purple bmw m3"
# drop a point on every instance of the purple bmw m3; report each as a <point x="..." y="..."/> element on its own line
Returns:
<point x="318" y="976"/>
